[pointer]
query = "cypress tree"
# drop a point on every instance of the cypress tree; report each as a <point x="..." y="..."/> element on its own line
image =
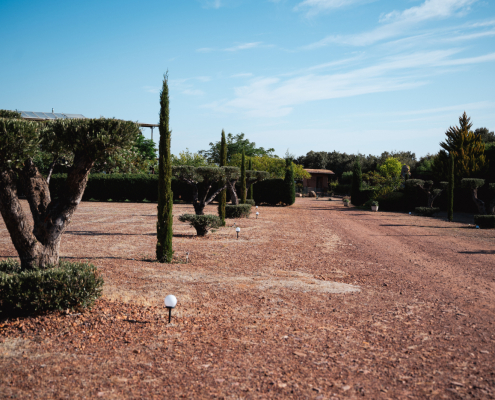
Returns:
<point x="357" y="183"/>
<point x="250" y="191"/>
<point x="164" y="233"/>
<point x="289" y="185"/>
<point x="223" y="194"/>
<point x="243" y="178"/>
<point x="450" y="193"/>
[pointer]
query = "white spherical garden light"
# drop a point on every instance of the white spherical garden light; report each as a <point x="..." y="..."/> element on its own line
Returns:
<point x="237" y="230"/>
<point x="170" y="302"/>
<point x="257" y="213"/>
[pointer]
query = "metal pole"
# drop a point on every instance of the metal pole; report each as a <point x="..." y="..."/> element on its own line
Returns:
<point x="151" y="133"/>
<point x="169" y="314"/>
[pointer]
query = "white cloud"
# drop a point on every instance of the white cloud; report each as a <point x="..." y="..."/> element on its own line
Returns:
<point x="211" y="3"/>
<point x="397" y="23"/>
<point x="275" y="97"/>
<point x="193" y="92"/>
<point x="316" y="6"/>
<point x="152" y="89"/>
<point x="244" y="46"/>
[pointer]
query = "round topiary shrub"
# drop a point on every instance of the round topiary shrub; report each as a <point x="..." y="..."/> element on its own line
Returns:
<point x="250" y="201"/>
<point x="485" y="221"/>
<point x="202" y="223"/>
<point x="426" y="211"/>
<point x="66" y="286"/>
<point x="240" y="211"/>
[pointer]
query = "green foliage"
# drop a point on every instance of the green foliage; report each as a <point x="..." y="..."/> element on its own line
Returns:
<point x="468" y="150"/>
<point x="390" y="168"/>
<point x="289" y="184"/>
<point x="394" y="201"/>
<point x="223" y="195"/>
<point x="374" y="203"/>
<point x="250" y="168"/>
<point x="243" y="178"/>
<point x="239" y="211"/>
<point x="202" y="223"/>
<point x="19" y="140"/>
<point x="472" y="183"/>
<point x="486" y="135"/>
<point x="357" y="183"/>
<point x="8" y="114"/>
<point x="164" y="251"/>
<point x="250" y="202"/>
<point x="426" y="211"/>
<point x="66" y="286"/>
<point x="346" y="178"/>
<point x="485" y="221"/>
<point x="198" y="174"/>
<point x="270" y="191"/>
<point x="188" y="158"/>
<point x="235" y="144"/>
<point x="450" y="190"/>
<point x="275" y="166"/>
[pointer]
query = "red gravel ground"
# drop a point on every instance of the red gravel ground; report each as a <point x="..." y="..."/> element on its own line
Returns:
<point x="316" y="301"/>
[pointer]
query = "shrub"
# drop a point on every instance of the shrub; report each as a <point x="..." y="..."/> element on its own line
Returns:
<point x="270" y="191"/>
<point x="485" y="221"/>
<point x="426" y="211"/>
<point x="240" y="211"/>
<point x="394" y="201"/>
<point x="66" y="286"/>
<point x="250" y="201"/>
<point x="202" y="223"/>
<point x="374" y="203"/>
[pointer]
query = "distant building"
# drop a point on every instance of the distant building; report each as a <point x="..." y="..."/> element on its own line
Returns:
<point x="318" y="181"/>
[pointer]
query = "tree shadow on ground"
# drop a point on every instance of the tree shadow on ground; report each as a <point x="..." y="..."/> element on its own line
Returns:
<point x="478" y="252"/>
<point x="430" y="226"/>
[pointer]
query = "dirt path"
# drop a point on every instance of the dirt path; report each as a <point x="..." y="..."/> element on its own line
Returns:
<point x="313" y="301"/>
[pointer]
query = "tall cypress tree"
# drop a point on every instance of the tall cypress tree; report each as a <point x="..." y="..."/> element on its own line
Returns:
<point x="450" y="193"/>
<point x="357" y="183"/>
<point x="223" y="194"/>
<point x="164" y="233"/>
<point x="289" y="185"/>
<point x="250" y="194"/>
<point x="243" y="178"/>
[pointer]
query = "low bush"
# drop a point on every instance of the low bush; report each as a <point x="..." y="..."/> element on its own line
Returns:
<point x="394" y="201"/>
<point x="250" y="201"/>
<point x="485" y="221"/>
<point x="202" y="223"/>
<point x="240" y="211"/>
<point x="426" y="211"/>
<point x="269" y="191"/>
<point x="66" y="286"/>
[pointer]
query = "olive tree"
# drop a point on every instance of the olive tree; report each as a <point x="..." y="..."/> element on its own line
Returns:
<point x="87" y="141"/>
<point x="473" y="184"/>
<point x="428" y="188"/>
<point x="193" y="176"/>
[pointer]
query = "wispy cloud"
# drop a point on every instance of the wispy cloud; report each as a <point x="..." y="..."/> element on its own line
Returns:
<point x="276" y="97"/>
<point x="314" y="7"/>
<point x="211" y="3"/>
<point x="186" y="85"/>
<point x="151" y="89"/>
<point x="396" y="23"/>
<point x="238" y="47"/>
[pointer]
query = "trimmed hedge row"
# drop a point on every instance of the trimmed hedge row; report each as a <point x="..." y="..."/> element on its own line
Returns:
<point x="240" y="211"/>
<point x="66" y="286"/>
<point x="426" y="211"/>
<point x="137" y="187"/>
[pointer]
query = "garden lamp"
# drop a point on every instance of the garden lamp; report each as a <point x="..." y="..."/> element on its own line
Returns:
<point x="237" y="231"/>
<point x="257" y="213"/>
<point x="170" y="302"/>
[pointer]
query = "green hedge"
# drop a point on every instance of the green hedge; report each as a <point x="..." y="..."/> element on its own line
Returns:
<point x="240" y="211"/>
<point x="250" y="201"/>
<point x="485" y="221"/>
<point x="426" y="211"/>
<point x="67" y="286"/>
<point x="202" y="223"/>
<point x="270" y="191"/>
<point x="394" y="201"/>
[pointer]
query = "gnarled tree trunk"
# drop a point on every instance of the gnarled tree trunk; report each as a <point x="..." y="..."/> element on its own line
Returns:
<point x="38" y="245"/>
<point x="479" y="203"/>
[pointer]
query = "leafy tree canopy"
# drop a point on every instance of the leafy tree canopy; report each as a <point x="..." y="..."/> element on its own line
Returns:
<point x="391" y="168"/>
<point x="486" y="135"/>
<point x="191" y="159"/>
<point x="275" y="166"/>
<point x="235" y="145"/>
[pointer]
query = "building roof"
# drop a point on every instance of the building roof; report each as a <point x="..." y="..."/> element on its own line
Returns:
<point x="43" y="116"/>
<point x="319" y="171"/>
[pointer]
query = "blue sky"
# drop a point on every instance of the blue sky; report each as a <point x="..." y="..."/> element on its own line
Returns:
<point x="323" y="75"/>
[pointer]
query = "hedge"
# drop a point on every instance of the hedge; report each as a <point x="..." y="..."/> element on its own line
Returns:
<point x="485" y="221"/>
<point x="240" y="211"/>
<point x="66" y="286"/>
<point x="202" y="223"/>
<point x="137" y="187"/>
<point x="426" y="211"/>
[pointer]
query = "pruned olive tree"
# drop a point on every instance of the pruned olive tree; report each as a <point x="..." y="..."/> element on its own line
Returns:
<point x="428" y="188"/>
<point x="207" y="176"/>
<point x="473" y="185"/>
<point x="86" y="140"/>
